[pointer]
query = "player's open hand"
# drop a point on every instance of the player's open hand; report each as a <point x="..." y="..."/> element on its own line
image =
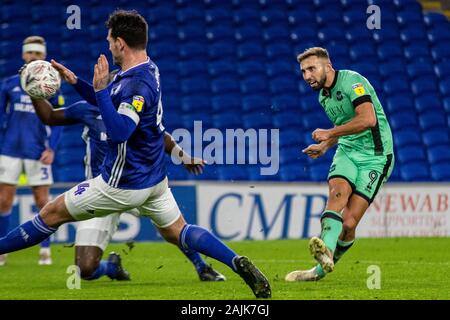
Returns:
<point x="320" y="135"/>
<point x="101" y="73"/>
<point x="314" y="151"/>
<point x="65" y="73"/>
<point x="47" y="156"/>
<point x="195" y="166"/>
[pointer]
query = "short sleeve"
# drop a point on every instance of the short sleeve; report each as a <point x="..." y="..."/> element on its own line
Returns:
<point x="136" y="98"/>
<point x="356" y="87"/>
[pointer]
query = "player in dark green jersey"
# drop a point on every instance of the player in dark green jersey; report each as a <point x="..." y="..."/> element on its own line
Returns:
<point x="363" y="160"/>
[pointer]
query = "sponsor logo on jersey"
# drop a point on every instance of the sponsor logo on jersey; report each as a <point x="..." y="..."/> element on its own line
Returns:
<point x="358" y="88"/>
<point x="339" y="96"/>
<point x="61" y="100"/>
<point x="138" y="103"/>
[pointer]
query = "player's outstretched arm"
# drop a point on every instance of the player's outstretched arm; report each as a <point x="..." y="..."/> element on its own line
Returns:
<point x="48" y="115"/>
<point x="192" y="164"/>
<point x="84" y="89"/>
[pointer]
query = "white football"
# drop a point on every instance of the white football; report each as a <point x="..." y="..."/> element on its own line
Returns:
<point x="40" y="80"/>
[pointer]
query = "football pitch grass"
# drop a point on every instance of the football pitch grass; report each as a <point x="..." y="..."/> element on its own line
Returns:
<point x="410" y="268"/>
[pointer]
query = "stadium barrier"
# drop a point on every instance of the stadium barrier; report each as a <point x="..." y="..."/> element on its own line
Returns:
<point x="257" y="211"/>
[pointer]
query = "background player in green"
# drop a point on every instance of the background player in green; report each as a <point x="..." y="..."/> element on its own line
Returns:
<point x="363" y="160"/>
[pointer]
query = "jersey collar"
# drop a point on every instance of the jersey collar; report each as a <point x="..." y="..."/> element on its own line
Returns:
<point x="131" y="70"/>
<point x="327" y="91"/>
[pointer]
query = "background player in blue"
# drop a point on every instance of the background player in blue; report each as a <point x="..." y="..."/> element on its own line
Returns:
<point x="28" y="145"/>
<point x="93" y="235"/>
<point x="134" y="173"/>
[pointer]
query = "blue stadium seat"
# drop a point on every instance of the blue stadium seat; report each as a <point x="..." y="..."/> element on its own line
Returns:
<point x="404" y="120"/>
<point x="264" y="121"/>
<point x="287" y="119"/>
<point x="301" y="33"/>
<point x="439" y="34"/>
<point x="415" y="172"/>
<point x="319" y="172"/>
<point x="388" y="33"/>
<point x="413" y="34"/>
<point x="329" y="33"/>
<point x="250" y="68"/>
<point x="198" y="103"/>
<point x="298" y="17"/>
<point x="288" y="102"/>
<point x="440" y="172"/>
<point x="221" y="68"/>
<point x="276" y="33"/>
<point x="228" y="85"/>
<point x="444" y="87"/>
<point x="218" y="16"/>
<point x="420" y="69"/>
<point x="417" y="51"/>
<point x="396" y="85"/>
<point x="435" y="137"/>
<point x="246" y="16"/>
<point x="439" y="154"/>
<point x="389" y="50"/>
<point x="248" y="33"/>
<point x="405" y="138"/>
<point x="162" y="32"/>
<point x="255" y="103"/>
<point x="392" y="66"/>
<point x="158" y="14"/>
<point x="433" y="120"/>
<point x="197" y="85"/>
<point x="293" y="172"/>
<point x="220" y="49"/>
<point x="251" y="50"/>
<point x="192" y="49"/>
<point x="446" y="103"/>
<point x="72" y="173"/>
<point x="442" y="69"/>
<point x="279" y="51"/>
<point x="254" y="85"/>
<point x="192" y="33"/>
<point x="354" y="17"/>
<point x="220" y="33"/>
<point x="226" y="120"/>
<point x="312" y="121"/>
<point x="428" y="103"/>
<point x="226" y="102"/>
<point x="409" y="18"/>
<point x="188" y="15"/>
<point x="440" y="52"/>
<point x="186" y="68"/>
<point x="361" y="52"/>
<point x="399" y="103"/>
<point x="434" y="19"/>
<point x="273" y="17"/>
<point x="328" y="17"/>
<point x="283" y="85"/>
<point x="423" y="85"/>
<point x="411" y="154"/>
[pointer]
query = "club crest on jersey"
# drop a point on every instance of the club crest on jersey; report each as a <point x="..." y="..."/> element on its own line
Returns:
<point x="138" y="103"/>
<point x="358" y="89"/>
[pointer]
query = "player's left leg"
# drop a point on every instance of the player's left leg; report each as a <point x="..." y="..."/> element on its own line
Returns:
<point x="40" y="178"/>
<point x="41" y="198"/>
<point x="165" y="214"/>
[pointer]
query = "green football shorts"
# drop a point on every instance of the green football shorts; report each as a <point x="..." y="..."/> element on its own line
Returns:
<point x="366" y="173"/>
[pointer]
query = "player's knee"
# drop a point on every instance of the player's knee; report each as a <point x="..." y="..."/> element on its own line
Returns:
<point x="41" y="202"/>
<point x="52" y="215"/>
<point x="339" y="196"/>
<point x="349" y="226"/>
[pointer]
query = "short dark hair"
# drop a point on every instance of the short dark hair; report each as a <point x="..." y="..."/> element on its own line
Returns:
<point x="130" y="26"/>
<point x="314" y="51"/>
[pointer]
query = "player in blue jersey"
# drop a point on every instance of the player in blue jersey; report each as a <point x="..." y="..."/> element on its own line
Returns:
<point x="133" y="174"/>
<point x="93" y="235"/>
<point x="28" y="145"/>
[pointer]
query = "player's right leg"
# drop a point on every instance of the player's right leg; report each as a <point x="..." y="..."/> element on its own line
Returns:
<point x="165" y="214"/>
<point x="92" y="238"/>
<point x="10" y="169"/>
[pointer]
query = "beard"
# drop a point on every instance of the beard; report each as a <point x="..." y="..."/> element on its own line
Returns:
<point x="117" y="61"/>
<point x="320" y="83"/>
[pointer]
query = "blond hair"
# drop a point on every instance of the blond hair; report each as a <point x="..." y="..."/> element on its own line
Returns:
<point x="34" y="39"/>
<point x="314" y="51"/>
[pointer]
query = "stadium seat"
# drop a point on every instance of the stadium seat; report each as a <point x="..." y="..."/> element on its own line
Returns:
<point x="227" y="85"/>
<point x="439" y="154"/>
<point x="221" y="68"/>
<point x="283" y="85"/>
<point x="442" y="70"/>
<point x="286" y="102"/>
<point x="416" y="51"/>
<point x="293" y="172"/>
<point x="219" y="50"/>
<point x="428" y="102"/>
<point x="433" y="120"/>
<point x="423" y="85"/>
<point x="389" y="50"/>
<point x="279" y="51"/>
<point x="218" y="16"/>
<point x="399" y="103"/>
<point x="392" y="66"/>
<point x="440" y="172"/>
<point x="440" y="52"/>
<point x="404" y="120"/>
<point x="220" y="33"/>
<point x="444" y="87"/>
<point x="435" y="137"/>
<point x="254" y="85"/>
<point x="187" y="68"/>
<point x="415" y="172"/>
<point x="246" y="16"/>
<point x="249" y="51"/>
<point x="411" y="154"/>
<point x="405" y="138"/>
<point x="255" y="103"/>
<point x="420" y="69"/>
<point x="319" y="172"/>
<point x="396" y="85"/>
<point x="226" y="102"/>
